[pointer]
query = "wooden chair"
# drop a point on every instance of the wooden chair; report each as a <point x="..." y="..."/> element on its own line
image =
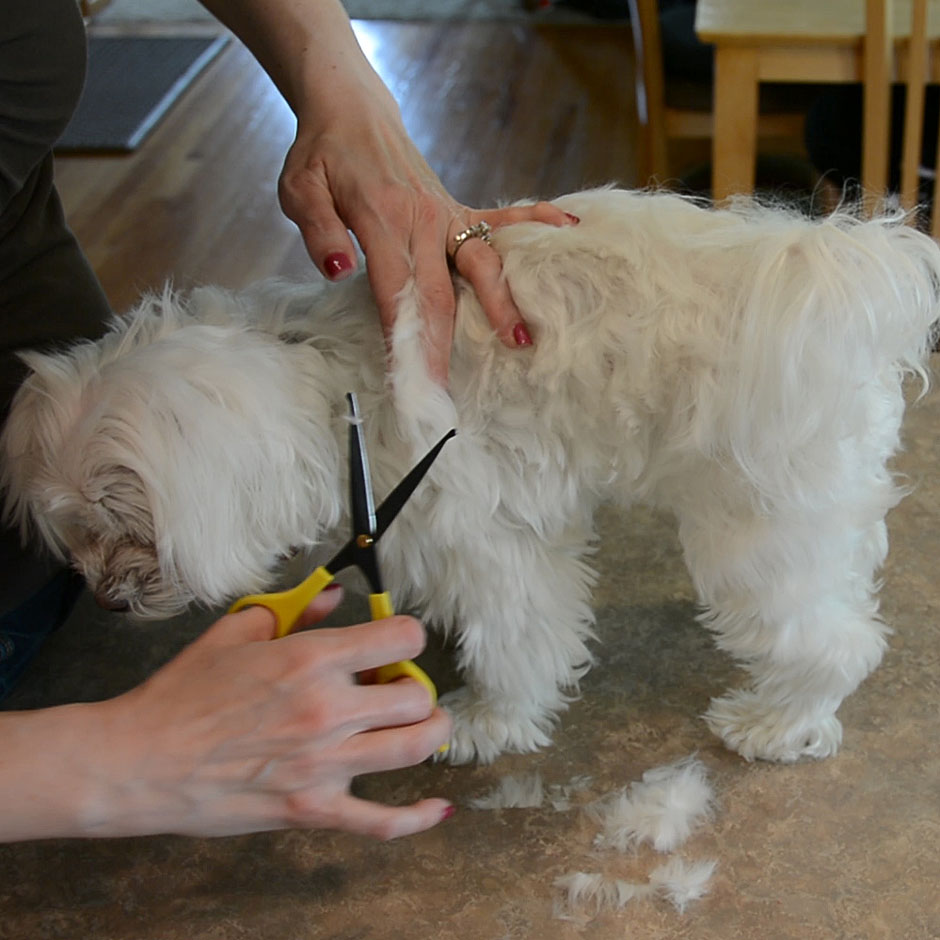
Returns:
<point x="677" y="110"/>
<point x="883" y="61"/>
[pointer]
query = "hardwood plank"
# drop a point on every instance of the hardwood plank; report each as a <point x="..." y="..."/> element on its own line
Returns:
<point x="500" y="112"/>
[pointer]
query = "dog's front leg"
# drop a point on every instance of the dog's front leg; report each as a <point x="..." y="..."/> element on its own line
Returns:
<point x="523" y="620"/>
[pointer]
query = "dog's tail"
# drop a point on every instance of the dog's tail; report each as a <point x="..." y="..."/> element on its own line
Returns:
<point x="830" y="325"/>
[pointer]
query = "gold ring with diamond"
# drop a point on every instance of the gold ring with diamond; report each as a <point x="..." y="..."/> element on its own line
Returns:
<point x="481" y="230"/>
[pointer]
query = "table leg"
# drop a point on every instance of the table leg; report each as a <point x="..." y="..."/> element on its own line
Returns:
<point x="734" y="143"/>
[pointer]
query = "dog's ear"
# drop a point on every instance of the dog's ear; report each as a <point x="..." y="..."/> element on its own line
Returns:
<point x="30" y="438"/>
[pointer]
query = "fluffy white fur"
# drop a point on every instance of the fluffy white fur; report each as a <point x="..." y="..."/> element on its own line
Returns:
<point x="661" y="810"/>
<point x="682" y="882"/>
<point x="742" y="368"/>
<point x="597" y="892"/>
<point x="678" y="881"/>
<point x="527" y="791"/>
<point x="514" y="791"/>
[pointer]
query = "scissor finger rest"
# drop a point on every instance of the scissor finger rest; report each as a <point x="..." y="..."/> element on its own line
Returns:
<point x="380" y="606"/>
<point x="287" y="606"/>
<point x="406" y="669"/>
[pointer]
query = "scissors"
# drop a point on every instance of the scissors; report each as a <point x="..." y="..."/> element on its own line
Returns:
<point x="368" y="525"/>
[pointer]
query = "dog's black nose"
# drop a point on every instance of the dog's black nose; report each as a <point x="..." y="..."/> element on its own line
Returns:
<point x="110" y="603"/>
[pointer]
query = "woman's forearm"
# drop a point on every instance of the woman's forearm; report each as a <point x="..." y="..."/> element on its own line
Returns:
<point x="307" y="47"/>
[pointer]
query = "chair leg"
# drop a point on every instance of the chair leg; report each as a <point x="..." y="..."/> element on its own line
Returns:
<point x="876" y="121"/>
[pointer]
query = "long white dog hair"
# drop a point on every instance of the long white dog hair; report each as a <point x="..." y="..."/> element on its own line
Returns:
<point x="742" y="368"/>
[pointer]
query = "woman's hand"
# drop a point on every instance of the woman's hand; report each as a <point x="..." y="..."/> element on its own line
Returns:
<point x="366" y="175"/>
<point x="353" y="167"/>
<point x="239" y="733"/>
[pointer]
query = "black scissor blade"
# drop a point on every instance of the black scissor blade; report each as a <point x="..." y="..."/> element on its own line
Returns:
<point x="393" y="503"/>
<point x="361" y="500"/>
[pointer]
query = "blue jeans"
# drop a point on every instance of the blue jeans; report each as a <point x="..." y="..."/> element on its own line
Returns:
<point x="24" y="630"/>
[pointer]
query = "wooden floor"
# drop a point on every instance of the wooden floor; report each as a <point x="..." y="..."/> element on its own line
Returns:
<point x="501" y="111"/>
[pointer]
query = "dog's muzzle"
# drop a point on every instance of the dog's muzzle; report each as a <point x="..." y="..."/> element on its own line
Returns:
<point x="107" y="602"/>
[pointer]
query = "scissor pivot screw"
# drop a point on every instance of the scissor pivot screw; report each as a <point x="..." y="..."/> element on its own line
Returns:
<point x="364" y="541"/>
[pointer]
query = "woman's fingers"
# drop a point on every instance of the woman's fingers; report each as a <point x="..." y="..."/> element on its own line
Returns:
<point x="392" y="748"/>
<point x="307" y="201"/>
<point x="477" y="261"/>
<point x="355" y="649"/>
<point x="544" y="212"/>
<point x="389" y="822"/>
<point x="480" y="265"/>
<point x="436" y="298"/>
<point x="389" y="705"/>
<point x="256" y="624"/>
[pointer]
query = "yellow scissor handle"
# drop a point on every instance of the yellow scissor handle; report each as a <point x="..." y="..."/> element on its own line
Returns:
<point x="287" y="606"/>
<point x="380" y="606"/>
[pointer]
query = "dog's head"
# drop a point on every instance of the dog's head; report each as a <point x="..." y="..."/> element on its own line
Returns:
<point x="172" y="461"/>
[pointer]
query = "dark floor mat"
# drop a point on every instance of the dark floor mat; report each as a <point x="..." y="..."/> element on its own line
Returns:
<point x="132" y="82"/>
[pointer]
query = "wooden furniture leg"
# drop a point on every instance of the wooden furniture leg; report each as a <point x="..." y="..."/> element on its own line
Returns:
<point x="876" y="121"/>
<point x="735" y="142"/>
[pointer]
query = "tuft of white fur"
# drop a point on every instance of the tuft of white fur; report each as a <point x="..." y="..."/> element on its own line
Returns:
<point x="682" y="882"/>
<point x="742" y="368"/>
<point x="661" y="810"/>
<point x="523" y="791"/>
<point x="528" y="791"/>
<point x="678" y="881"/>
<point x="596" y="892"/>
<point x="423" y="406"/>
<point x="560" y="795"/>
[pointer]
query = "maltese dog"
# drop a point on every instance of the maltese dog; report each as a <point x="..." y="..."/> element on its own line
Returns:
<point x="742" y="368"/>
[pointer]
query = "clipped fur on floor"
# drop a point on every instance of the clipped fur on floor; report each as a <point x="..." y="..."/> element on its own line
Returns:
<point x="678" y="881"/>
<point x="523" y="791"/>
<point x="527" y="791"/>
<point x="682" y="882"/>
<point x="741" y="368"/>
<point x="560" y="794"/>
<point x="596" y="892"/>
<point x="661" y="810"/>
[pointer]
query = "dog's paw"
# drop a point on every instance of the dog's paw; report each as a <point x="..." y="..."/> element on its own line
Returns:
<point x="761" y="731"/>
<point x="483" y="729"/>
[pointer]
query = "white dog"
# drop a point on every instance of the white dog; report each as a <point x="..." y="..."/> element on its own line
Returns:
<point x="743" y="368"/>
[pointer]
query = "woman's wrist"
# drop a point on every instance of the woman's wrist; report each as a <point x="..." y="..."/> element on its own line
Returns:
<point x="54" y="781"/>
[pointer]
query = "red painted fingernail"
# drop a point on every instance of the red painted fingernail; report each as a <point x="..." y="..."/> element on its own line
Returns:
<point x="573" y="219"/>
<point x="448" y="812"/>
<point x="332" y="587"/>
<point x="337" y="265"/>
<point x="520" y="334"/>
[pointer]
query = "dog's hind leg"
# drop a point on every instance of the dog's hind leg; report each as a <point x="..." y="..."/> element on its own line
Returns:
<point x="794" y="603"/>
